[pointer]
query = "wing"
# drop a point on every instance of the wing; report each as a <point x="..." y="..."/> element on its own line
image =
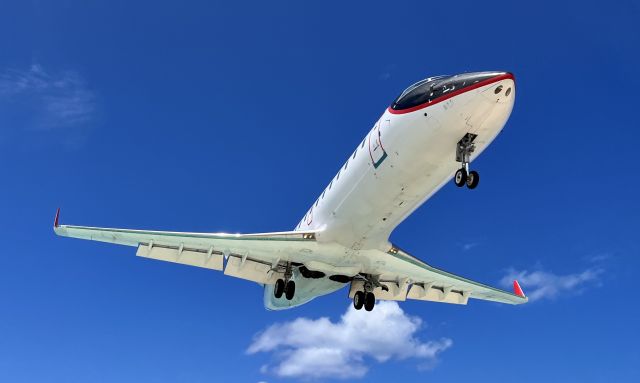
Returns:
<point x="406" y="276"/>
<point x="256" y="257"/>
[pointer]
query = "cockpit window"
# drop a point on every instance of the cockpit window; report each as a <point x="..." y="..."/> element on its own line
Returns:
<point x="432" y="88"/>
<point x="416" y="94"/>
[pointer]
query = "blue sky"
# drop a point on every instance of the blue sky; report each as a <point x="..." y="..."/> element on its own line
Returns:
<point x="206" y="116"/>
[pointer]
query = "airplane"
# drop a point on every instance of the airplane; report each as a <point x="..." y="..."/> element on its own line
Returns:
<point x="430" y="134"/>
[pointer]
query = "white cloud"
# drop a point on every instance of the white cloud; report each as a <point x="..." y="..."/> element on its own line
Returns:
<point x="469" y="245"/>
<point x="541" y="284"/>
<point x="599" y="257"/>
<point x="320" y="348"/>
<point x="46" y="101"/>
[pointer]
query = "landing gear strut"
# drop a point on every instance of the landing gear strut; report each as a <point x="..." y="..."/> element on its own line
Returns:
<point x="286" y="286"/>
<point x="463" y="151"/>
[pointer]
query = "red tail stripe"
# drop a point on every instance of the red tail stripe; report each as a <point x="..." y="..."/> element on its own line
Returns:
<point x="517" y="289"/>
<point x="55" y="221"/>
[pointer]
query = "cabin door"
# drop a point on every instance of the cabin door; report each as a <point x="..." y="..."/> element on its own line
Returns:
<point x="376" y="150"/>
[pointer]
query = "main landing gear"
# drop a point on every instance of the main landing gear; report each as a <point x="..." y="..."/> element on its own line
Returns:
<point x="463" y="151"/>
<point x="365" y="298"/>
<point x="286" y="286"/>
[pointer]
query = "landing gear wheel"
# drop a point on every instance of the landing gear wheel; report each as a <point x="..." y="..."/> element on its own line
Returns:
<point x="369" y="301"/>
<point x="358" y="300"/>
<point x="278" y="289"/>
<point x="461" y="177"/>
<point x="290" y="290"/>
<point x="472" y="179"/>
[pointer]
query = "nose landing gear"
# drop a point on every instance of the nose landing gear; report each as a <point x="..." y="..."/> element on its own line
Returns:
<point x="470" y="179"/>
<point x="463" y="151"/>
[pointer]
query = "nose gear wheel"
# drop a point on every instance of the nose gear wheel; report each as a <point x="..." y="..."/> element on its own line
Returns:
<point x="472" y="179"/>
<point x="461" y="177"/>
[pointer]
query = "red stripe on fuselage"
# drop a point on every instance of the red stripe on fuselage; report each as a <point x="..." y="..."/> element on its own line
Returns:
<point x="455" y="93"/>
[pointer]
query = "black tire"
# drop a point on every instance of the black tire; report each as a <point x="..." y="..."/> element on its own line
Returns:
<point x="358" y="300"/>
<point x="369" y="301"/>
<point x="278" y="289"/>
<point x="461" y="177"/>
<point x="290" y="290"/>
<point x="473" y="179"/>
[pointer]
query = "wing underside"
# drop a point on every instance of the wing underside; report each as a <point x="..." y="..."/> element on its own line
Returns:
<point x="407" y="277"/>
<point x="262" y="258"/>
<point x="255" y="257"/>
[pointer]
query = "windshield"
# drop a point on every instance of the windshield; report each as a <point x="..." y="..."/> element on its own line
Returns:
<point x="416" y="94"/>
<point x="432" y="88"/>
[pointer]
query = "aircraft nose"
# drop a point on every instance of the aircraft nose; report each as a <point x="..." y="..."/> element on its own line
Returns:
<point x="496" y="86"/>
<point x="491" y="101"/>
<point x="502" y="85"/>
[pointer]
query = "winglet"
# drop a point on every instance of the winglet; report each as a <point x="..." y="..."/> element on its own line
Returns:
<point x="55" y="221"/>
<point x="517" y="289"/>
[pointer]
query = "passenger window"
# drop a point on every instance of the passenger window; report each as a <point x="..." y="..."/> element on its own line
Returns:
<point x="354" y="154"/>
<point x="362" y="146"/>
<point x="345" y="164"/>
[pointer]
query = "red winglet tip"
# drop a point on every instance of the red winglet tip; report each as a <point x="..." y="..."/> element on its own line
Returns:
<point x="517" y="289"/>
<point x="55" y="221"/>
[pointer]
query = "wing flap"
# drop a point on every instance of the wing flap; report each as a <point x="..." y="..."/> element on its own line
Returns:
<point x="428" y="292"/>
<point x="192" y="257"/>
<point x="251" y="270"/>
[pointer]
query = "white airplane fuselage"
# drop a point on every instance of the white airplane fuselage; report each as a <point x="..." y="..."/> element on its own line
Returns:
<point x="406" y="157"/>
